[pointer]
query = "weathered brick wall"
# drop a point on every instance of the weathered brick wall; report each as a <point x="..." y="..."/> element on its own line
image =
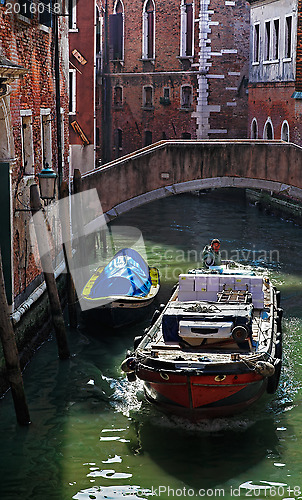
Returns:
<point x="82" y="39"/>
<point x="275" y="98"/>
<point x="27" y="43"/>
<point x="275" y="101"/>
<point x="299" y="49"/>
<point x="223" y="99"/>
<point x="229" y="61"/>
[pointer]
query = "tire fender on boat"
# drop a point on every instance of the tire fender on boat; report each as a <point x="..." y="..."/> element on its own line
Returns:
<point x="278" y="349"/>
<point x="272" y="382"/>
<point x="279" y="319"/>
<point x="264" y="368"/>
<point x="129" y="365"/>
<point x="278" y="298"/>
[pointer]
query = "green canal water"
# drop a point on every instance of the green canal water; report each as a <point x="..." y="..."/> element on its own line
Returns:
<point x="94" y="437"/>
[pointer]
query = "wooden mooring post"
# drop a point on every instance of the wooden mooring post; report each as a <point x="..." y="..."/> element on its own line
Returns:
<point x="65" y="222"/>
<point x="54" y="301"/>
<point x="11" y="356"/>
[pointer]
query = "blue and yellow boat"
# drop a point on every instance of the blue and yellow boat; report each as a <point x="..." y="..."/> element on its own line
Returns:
<point x="121" y="291"/>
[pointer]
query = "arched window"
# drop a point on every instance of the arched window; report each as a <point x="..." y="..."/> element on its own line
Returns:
<point x="268" y="132"/>
<point x="116" y="33"/>
<point x="186" y="28"/>
<point x="254" y="129"/>
<point x="285" y="131"/>
<point x="149" y="30"/>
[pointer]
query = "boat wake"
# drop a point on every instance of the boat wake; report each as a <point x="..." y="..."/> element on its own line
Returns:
<point x="126" y="397"/>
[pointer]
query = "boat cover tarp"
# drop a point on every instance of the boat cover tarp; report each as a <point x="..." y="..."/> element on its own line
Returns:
<point x="126" y="274"/>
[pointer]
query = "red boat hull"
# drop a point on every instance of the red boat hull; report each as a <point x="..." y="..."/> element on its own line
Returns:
<point x="202" y="395"/>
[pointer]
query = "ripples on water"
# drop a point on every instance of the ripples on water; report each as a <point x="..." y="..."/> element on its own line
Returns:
<point x="94" y="436"/>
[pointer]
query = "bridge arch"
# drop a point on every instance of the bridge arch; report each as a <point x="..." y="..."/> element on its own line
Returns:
<point x="173" y="167"/>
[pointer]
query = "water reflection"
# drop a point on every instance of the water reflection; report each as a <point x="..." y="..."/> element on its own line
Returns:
<point x="92" y="435"/>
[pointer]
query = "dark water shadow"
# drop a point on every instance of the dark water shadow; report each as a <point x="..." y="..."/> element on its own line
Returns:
<point x="208" y="453"/>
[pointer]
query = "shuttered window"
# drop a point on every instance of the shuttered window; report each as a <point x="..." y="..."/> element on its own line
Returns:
<point x="148" y="30"/>
<point x="116" y="37"/>
<point x="189" y="32"/>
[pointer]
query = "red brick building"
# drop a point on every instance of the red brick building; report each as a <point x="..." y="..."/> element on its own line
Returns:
<point x="275" y="82"/>
<point x="28" y="129"/>
<point x="172" y="70"/>
<point x="83" y="40"/>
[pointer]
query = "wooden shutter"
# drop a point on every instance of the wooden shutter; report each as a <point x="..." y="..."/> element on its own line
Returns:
<point x="189" y="33"/>
<point x="150" y="53"/>
<point x="116" y="37"/>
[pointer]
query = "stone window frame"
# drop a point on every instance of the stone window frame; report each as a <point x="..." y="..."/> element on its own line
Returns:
<point x="254" y="122"/>
<point x="275" y="43"/>
<point x="46" y="136"/>
<point x="267" y="123"/>
<point x="72" y="91"/>
<point x="267" y="41"/>
<point x="182" y="104"/>
<point x="118" y="103"/>
<point x="285" y="124"/>
<point x="288" y="47"/>
<point x="271" y="40"/>
<point x="183" y="54"/>
<point x="123" y="27"/>
<point x="146" y="56"/>
<point x="27" y="143"/>
<point x="256" y="43"/>
<point x="146" y="104"/>
<point x="72" y="17"/>
<point x="116" y="33"/>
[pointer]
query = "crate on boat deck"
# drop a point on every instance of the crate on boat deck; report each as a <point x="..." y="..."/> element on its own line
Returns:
<point x="242" y="283"/>
<point x="226" y="283"/>
<point x="186" y="282"/>
<point x="256" y="282"/>
<point x="187" y="295"/>
<point x="258" y="299"/>
<point x="213" y="283"/>
<point x="201" y="283"/>
<point x="256" y="289"/>
<point x="208" y="296"/>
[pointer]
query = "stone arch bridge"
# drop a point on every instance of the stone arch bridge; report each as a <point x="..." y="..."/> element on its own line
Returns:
<point x="172" y="167"/>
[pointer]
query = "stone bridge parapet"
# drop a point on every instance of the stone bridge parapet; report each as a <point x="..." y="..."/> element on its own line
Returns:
<point x="173" y="167"/>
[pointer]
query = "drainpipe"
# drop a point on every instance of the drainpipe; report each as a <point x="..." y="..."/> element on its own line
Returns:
<point x="106" y="94"/>
<point x="58" y="97"/>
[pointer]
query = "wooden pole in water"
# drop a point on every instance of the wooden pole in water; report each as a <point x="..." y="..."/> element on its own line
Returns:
<point x="54" y="301"/>
<point x="81" y="249"/>
<point x="11" y="356"/>
<point x="65" y="222"/>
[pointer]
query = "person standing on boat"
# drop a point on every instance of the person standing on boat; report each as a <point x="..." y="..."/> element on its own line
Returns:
<point x="211" y="254"/>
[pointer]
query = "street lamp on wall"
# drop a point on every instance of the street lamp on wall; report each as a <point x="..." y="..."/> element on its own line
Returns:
<point x="47" y="183"/>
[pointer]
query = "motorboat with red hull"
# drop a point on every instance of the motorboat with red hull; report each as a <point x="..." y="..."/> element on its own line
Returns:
<point x="215" y="349"/>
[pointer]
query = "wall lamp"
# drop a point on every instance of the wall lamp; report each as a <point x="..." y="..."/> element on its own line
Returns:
<point x="47" y="183"/>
